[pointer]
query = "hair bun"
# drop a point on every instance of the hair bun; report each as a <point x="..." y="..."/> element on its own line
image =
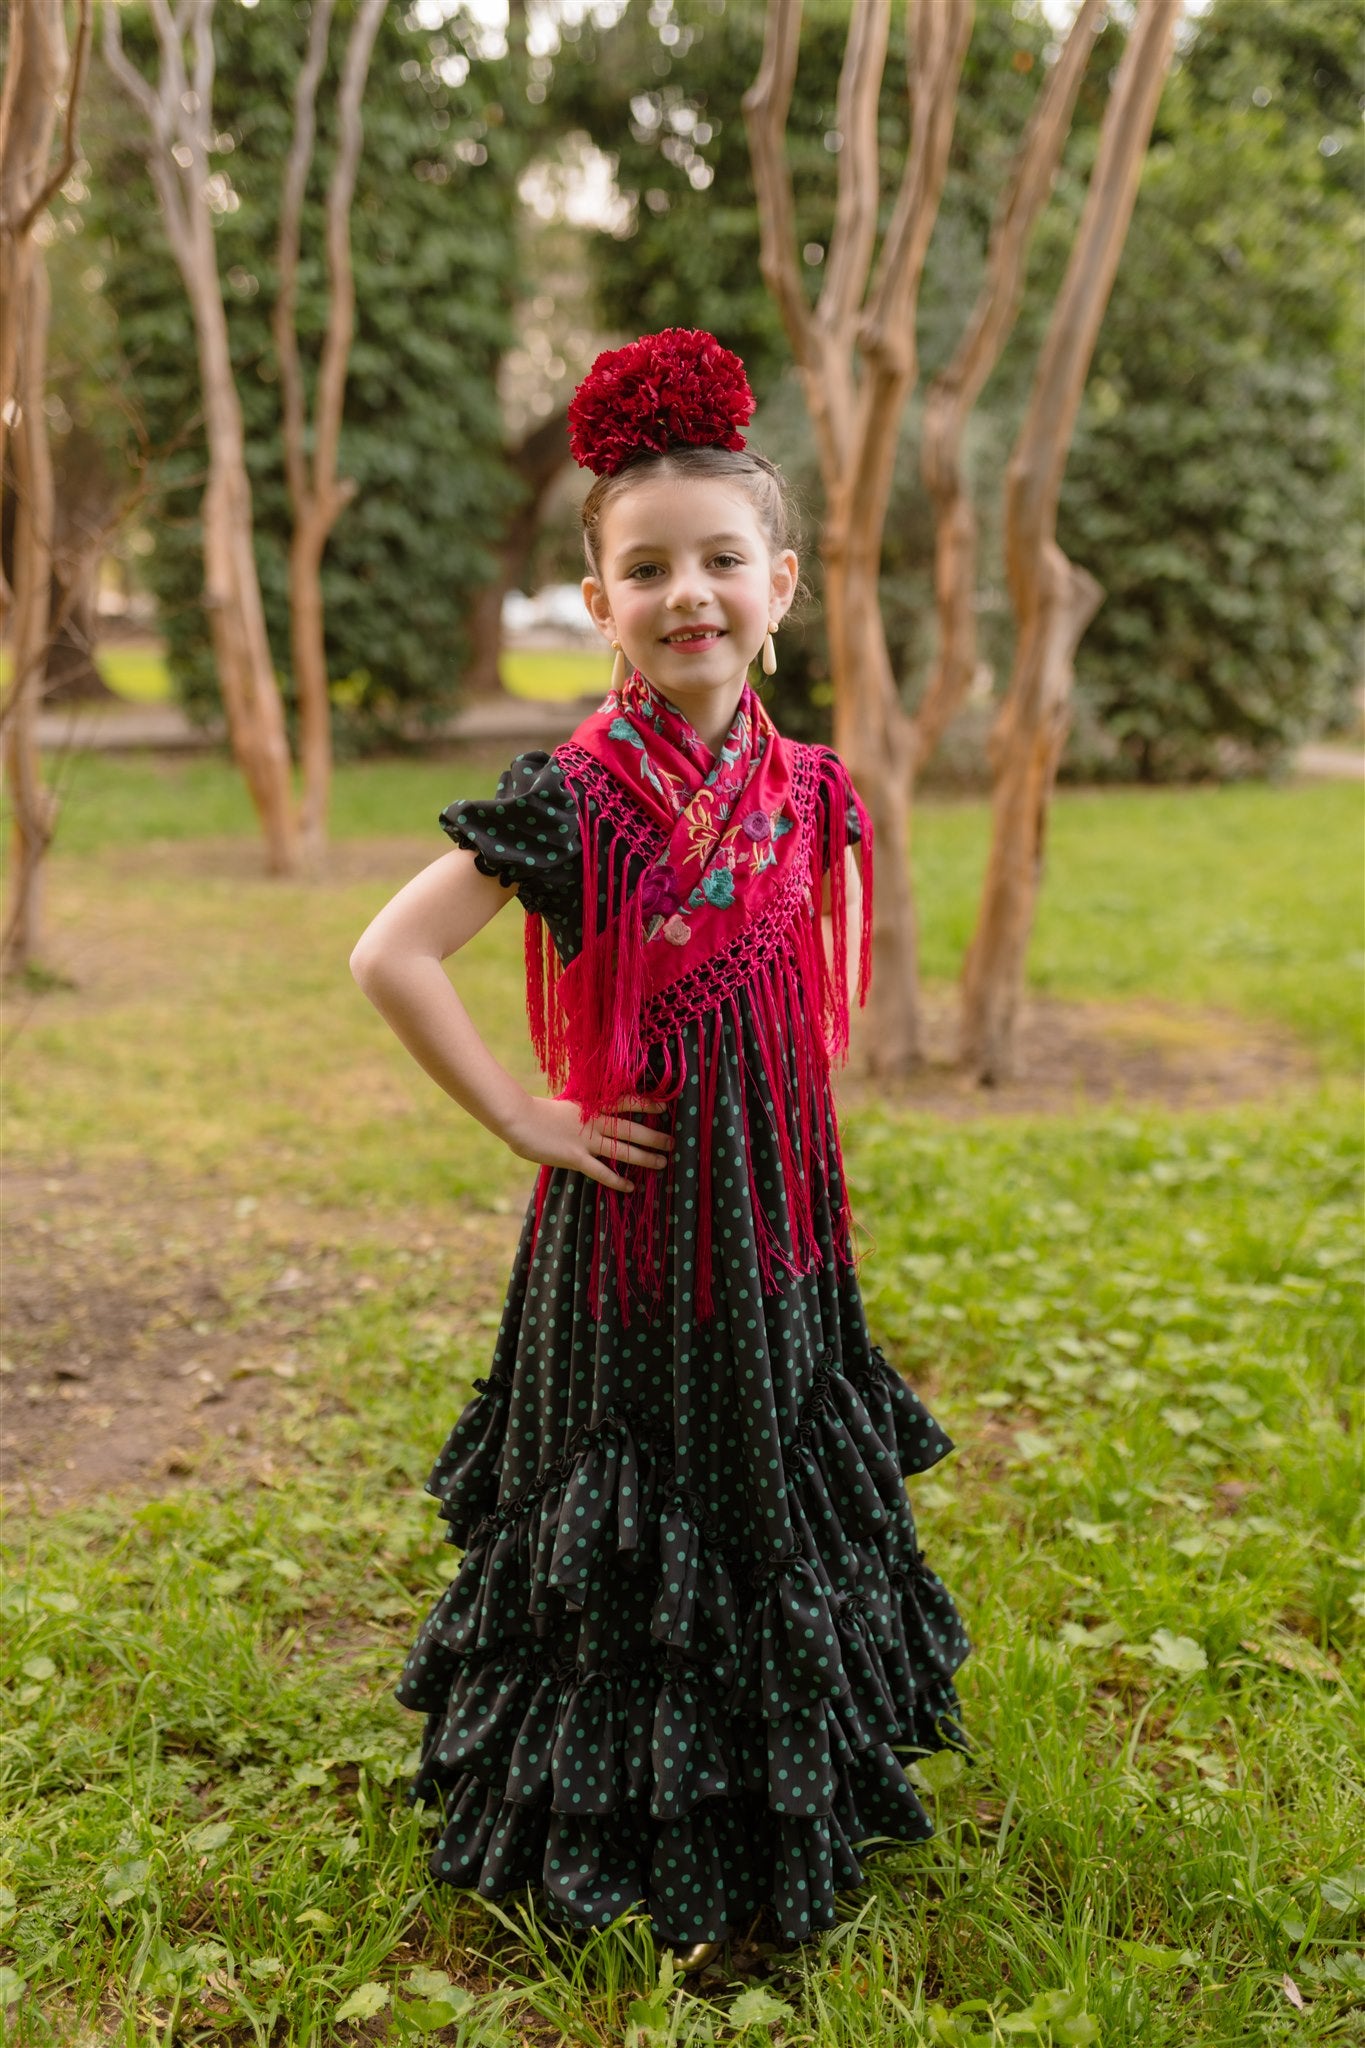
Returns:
<point x="676" y="389"/>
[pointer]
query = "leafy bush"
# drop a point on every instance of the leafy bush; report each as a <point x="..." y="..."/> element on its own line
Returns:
<point x="1214" y="483"/>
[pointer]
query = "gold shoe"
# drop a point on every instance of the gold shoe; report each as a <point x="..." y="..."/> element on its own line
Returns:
<point x="690" y="1960"/>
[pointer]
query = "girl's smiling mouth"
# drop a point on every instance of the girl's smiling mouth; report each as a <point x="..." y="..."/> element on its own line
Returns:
<point x="693" y="636"/>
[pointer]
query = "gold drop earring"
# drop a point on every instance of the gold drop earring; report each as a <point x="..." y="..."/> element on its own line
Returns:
<point x="619" y="670"/>
<point x="769" y="663"/>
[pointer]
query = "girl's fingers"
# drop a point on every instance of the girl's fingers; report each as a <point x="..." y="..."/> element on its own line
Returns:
<point x="634" y="1155"/>
<point x="635" y="1134"/>
<point x="597" y="1169"/>
<point x="645" y="1102"/>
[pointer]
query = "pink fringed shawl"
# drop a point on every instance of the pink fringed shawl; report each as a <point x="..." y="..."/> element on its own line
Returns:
<point x="734" y="849"/>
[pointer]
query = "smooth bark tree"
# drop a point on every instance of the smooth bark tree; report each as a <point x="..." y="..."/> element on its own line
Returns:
<point x="855" y="350"/>
<point x="949" y="400"/>
<point x="1053" y="598"/>
<point x="43" y="79"/>
<point x="317" y="494"/>
<point x="178" y="112"/>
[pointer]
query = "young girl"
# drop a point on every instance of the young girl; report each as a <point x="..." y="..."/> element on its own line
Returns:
<point x="692" y="1640"/>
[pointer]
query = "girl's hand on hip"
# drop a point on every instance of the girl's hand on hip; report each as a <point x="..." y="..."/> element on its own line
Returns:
<point x="551" y="1131"/>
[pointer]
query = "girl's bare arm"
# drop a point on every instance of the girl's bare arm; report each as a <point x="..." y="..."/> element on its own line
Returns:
<point x="853" y="883"/>
<point x="397" y="962"/>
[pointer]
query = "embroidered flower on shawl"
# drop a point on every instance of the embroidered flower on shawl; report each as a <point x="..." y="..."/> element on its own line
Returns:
<point x="718" y="887"/>
<point x="758" y="825"/>
<point x="678" y="932"/>
<point x="622" y="729"/>
<point x="658" y="892"/>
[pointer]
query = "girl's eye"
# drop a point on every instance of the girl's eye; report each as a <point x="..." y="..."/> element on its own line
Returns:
<point x="727" y="562"/>
<point x="642" y="570"/>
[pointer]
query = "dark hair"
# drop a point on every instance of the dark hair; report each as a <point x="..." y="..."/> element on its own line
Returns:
<point x="761" y="481"/>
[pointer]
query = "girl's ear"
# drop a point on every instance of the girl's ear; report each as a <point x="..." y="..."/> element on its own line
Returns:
<point x="599" y="611"/>
<point x="782" y="589"/>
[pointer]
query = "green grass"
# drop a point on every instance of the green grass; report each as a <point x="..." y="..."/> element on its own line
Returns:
<point x="1124" y="1322"/>
<point x="137" y="673"/>
<point x="531" y="672"/>
<point x="140" y="674"/>
<point x="1247" y="897"/>
<point x="1142" y="1330"/>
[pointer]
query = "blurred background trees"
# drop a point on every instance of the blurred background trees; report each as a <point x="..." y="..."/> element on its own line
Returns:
<point x="527" y="195"/>
<point x="435" y="260"/>
<point x="1215" y="485"/>
<point x="524" y="200"/>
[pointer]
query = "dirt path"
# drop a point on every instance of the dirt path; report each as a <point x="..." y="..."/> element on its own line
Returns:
<point x="1083" y="1055"/>
<point x="148" y="1327"/>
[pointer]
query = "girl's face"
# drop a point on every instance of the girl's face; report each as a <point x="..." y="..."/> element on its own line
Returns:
<point x="688" y="587"/>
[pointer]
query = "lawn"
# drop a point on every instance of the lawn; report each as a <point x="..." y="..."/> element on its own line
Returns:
<point x="1142" y="1329"/>
<point x="139" y="672"/>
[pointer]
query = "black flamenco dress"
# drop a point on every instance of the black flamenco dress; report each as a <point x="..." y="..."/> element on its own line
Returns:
<point x="692" y="1642"/>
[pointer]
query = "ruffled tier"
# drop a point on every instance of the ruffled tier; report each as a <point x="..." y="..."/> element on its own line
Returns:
<point x="754" y="1742"/>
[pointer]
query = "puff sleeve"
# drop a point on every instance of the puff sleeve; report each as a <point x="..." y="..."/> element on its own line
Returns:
<point x="525" y="834"/>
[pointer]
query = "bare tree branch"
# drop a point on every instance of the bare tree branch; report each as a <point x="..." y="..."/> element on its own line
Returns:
<point x="1040" y="452"/>
<point x="73" y="99"/>
<point x="205" y="68"/>
<point x="336" y="350"/>
<point x="886" y="339"/>
<point x="855" y="215"/>
<point x="942" y="32"/>
<point x="128" y="75"/>
<point x="959" y="384"/>
<point x="1053" y="598"/>
<point x="316" y="496"/>
<point x="177" y="148"/>
<point x="767" y="104"/>
<point x="297" y="166"/>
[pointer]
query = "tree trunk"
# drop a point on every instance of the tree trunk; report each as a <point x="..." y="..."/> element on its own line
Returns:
<point x="308" y="658"/>
<point x="72" y="677"/>
<point x="871" y="735"/>
<point x="957" y="387"/>
<point x="177" y="112"/>
<point x="33" y="808"/>
<point x="537" y="461"/>
<point x="1030" y="734"/>
<point x="856" y="354"/>
<point x="1053" y="600"/>
<point x="317" y="496"/>
<point x="35" y="73"/>
<point x="232" y="590"/>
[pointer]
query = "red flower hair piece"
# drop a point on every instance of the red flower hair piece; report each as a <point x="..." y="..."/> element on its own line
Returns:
<point x="677" y="389"/>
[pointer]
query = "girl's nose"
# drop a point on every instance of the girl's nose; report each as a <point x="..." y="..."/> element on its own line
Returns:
<point x="688" y="593"/>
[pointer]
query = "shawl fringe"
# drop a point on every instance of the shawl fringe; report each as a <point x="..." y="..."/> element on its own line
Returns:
<point x="600" y="1039"/>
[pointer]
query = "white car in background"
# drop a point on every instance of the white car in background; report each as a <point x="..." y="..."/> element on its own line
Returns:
<point x="558" y="609"/>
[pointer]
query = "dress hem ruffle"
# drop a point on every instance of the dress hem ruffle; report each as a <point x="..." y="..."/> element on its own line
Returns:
<point x="787" y="1684"/>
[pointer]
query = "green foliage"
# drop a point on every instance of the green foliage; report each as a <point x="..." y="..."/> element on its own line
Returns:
<point x="432" y="233"/>
<point x="670" y="114"/>
<point x="690" y="253"/>
<point x="1214" y="483"/>
<point x="1210" y="485"/>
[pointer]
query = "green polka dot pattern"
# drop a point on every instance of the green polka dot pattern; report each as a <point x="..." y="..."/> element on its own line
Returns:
<point x="692" y="1642"/>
